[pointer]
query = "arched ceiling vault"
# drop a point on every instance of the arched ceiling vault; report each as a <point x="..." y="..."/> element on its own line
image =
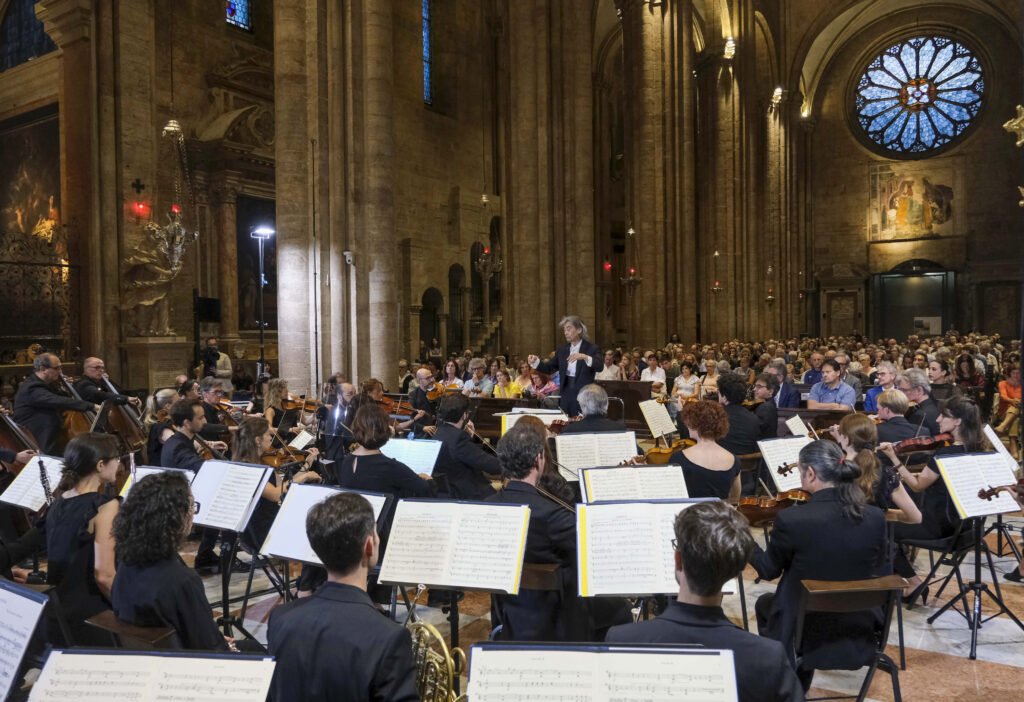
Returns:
<point x="848" y="17"/>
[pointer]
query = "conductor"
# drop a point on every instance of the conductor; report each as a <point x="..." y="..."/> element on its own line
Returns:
<point x="576" y="362"/>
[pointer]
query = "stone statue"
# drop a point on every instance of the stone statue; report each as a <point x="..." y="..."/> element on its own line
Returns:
<point x="148" y="272"/>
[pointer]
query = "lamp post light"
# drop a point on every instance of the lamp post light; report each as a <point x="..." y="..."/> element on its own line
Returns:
<point x="261" y="233"/>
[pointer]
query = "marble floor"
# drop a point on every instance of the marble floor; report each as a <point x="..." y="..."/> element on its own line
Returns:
<point x="937" y="660"/>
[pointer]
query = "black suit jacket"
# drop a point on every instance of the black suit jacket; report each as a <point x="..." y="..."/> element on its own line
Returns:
<point x="463" y="464"/>
<point x="594" y="424"/>
<point x="763" y="674"/>
<point x="928" y="413"/>
<point x="180" y="452"/>
<point x="767" y="419"/>
<point x="897" y="429"/>
<point x="744" y="431"/>
<point x="337" y="647"/>
<point x="542" y="615"/>
<point x="419" y="400"/>
<point x="96" y="392"/>
<point x="213" y="430"/>
<point x="584" y="373"/>
<point x="39" y="408"/>
<point x="788" y="396"/>
<point x="816" y="541"/>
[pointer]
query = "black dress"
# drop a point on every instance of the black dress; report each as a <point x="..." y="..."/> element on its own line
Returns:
<point x="704" y="482"/>
<point x="153" y="444"/>
<point x="167" y="593"/>
<point x="71" y="554"/>
<point x="887" y="483"/>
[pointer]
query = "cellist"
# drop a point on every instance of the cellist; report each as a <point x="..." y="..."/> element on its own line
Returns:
<point x="92" y="388"/>
<point x="39" y="408"/>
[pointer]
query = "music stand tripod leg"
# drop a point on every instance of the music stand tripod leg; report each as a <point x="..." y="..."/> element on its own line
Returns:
<point x="228" y="621"/>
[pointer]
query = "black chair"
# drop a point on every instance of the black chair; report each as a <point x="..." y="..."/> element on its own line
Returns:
<point x="848" y="597"/>
<point x="952" y="550"/>
<point x="536" y="576"/>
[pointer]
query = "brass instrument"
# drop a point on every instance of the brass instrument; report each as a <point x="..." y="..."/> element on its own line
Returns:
<point x="437" y="667"/>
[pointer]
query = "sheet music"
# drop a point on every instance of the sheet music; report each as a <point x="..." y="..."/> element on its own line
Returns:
<point x="968" y="473"/>
<point x="993" y="439"/>
<point x="26" y="490"/>
<point x="227" y="493"/>
<point x="20" y="609"/>
<point x="780" y="452"/>
<point x="646" y="482"/>
<point x="418" y="454"/>
<point x="301" y="440"/>
<point x="509" y="419"/>
<point x="70" y="675"/>
<point x="143" y="471"/>
<point x="287" y="536"/>
<point x="600" y="674"/>
<point x="457" y="544"/>
<point x="577" y="451"/>
<point x="796" y="425"/>
<point x="658" y="419"/>
<point x="625" y="548"/>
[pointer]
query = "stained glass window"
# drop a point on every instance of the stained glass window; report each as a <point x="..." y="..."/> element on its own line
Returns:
<point x="428" y="96"/>
<point x="919" y="94"/>
<point x="22" y="36"/>
<point x="238" y="14"/>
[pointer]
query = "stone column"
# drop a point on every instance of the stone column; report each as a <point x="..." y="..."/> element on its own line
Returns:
<point x="465" y="299"/>
<point x="225" y="199"/>
<point x="442" y="331"/>
<point x="413" y="325"/>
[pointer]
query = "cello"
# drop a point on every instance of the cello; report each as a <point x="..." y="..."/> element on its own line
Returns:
<point x="75" y="422"/>
<point x="16" y="439"/>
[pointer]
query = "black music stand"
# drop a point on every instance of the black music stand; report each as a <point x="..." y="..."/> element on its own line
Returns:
<point x="227" y="620"/>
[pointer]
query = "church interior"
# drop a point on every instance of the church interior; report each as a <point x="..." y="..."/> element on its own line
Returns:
<point x="327" y="189"/>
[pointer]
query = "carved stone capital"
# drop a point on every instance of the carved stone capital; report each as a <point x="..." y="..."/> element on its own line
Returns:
<point x="65" y="21"/>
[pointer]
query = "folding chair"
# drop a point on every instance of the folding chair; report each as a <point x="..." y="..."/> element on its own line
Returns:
<point x="136" y="638"/>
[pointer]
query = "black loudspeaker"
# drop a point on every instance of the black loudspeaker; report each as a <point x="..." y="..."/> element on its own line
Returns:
<point x="208" y="309"/>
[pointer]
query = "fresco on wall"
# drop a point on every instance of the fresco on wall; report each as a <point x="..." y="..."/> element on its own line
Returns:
<point x="30" y="176"/>
<point x="909" y="201"/>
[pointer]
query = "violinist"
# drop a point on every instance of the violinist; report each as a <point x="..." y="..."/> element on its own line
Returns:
<point x="336" y="418"/>
<point x="913" y="383"/>
<point x="960" y="418"/>
<point x="366" y="468"/>
<point x="765" y="387"/>
<point x="711" y="546"/>
<point x="894" y="427"/>
<point x="593" y="401"/>
<point x="419" y="400"/>
<point x="188" y="389"/>
<point x="538" y="615"/>
<point x="834" y="536"/>
<point x="857" y="436"/>
<point x="372" y="392"/>
<point x="273" y="404"/>
<point x="465" y="464"/>
<point x="709" y="469"/>
<point x="742" y="429"/>
<point x="39" y="408"/>
<point x="157" y="424"/>
<point x="211" y="390"/>
<point x="92" y="388"/>
<point x="254" y="440"/>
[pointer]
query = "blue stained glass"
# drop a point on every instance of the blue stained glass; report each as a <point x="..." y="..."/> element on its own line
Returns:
<point x="428" y="87"/>
<point x="919" y="94"/>
<point x="22" y="37"/>
<point x="238" y="13"/>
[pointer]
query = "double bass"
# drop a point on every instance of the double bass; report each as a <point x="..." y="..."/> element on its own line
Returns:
<point x="14" y="438"/>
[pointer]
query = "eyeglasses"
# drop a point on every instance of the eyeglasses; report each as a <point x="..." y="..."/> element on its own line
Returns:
<point x="195" y="508"/>
<point x="675" y="544"/>
<point x="760" y="386"/>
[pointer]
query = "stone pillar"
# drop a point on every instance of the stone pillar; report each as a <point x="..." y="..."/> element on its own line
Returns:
<point x="413" y="325"/>
<point x="442" y="331"/>
<point x="465" y="299"/>
<point x="226" y="196"/>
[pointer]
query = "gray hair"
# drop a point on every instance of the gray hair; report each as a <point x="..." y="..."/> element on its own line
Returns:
<point x="724" y="367"/>
<point x="593" y="400"/>
<point x="576" y="322"/>
<point x="42" y="362"/>
<point x="886" y="366"/>
<point x="475" y="363"/>
<point x="210" y="383"/>
<point x="854" y="367"/>
<point x="916" y="378"/>
<point x="779" y="366"/>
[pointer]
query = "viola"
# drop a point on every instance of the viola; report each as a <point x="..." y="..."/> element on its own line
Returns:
<point x="762" y="510"/>
<point x="1016" y="491"/>
<point x="659" y="455"/>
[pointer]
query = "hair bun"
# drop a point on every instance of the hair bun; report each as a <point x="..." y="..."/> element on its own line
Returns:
<point x="848" y="470"/>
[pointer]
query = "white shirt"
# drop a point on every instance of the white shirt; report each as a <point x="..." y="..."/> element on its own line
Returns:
<point x="571" y="368"/>
<point x="655" y="375"/>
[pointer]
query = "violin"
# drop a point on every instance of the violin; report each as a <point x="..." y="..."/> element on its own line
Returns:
<point x="397" y="407"/>
<point x="783" y="470"/>
<point x="228" y="414"/>
<point x="558" y="425"/>
<point x="437" y="390"/>
<point x="300" y="403"/>
<point x="659" y="455"/>
<point x="1016" y="491"/>
<point x="924" y="443"/>
<point x="762" y="510"/>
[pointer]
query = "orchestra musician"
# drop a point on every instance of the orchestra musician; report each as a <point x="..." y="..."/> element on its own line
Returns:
<point x="39" y="408"/>
<point x="765" y="387"/>
<point x="79" y="541"/>
<point x="153" y="586"/>
<point x="892" y="406"/>
<point x="593" y="402"/>
<point x="538" y="615"/>
<point x="835" y="536"/>
<point x="464" y="464"/>
<point x="336" y="645"/>
<point x="577" y="362"/>
<point x="158" y="431"/>
<point x="212" y="390"/>
<point x="913" y="383"/>
<point x="336" y="419"/>
<point x="743" y="429"/>
<point x="92" y="388"/>
<point x="423" y="382"/>
<point x="709" y="469"/>
<point x="961" y="418"/>
<point x="712" y="545"/>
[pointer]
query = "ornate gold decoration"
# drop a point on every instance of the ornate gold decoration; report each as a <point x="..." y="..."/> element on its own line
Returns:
<point x="1016" y="126"/>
